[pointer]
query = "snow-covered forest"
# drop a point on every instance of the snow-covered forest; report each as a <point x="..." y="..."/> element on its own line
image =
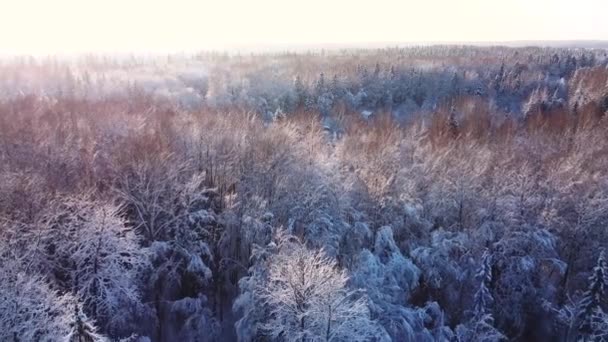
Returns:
<point x="444" y="193"/>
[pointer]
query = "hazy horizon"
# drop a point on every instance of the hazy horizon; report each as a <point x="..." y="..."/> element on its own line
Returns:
<point x="69" y="26"/>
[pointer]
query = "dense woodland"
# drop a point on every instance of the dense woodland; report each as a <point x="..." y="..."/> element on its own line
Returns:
<point x="444" y="193"/>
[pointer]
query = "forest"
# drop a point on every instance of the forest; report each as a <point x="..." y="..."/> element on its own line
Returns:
<point x="426" y="193"/>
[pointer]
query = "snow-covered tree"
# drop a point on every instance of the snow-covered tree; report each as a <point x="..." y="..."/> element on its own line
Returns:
<point x="85" y="248"/>
<point x="308" y="299"/>
<point x="594" y="302"/>
<point x="445" y="268"/>
<point x="192" y="319"/>
<point x="452" y="123"/>
<point x="318" y="219"/>
<point x="528" y="270"/>
<point x="598" y="324"/>
<point x="83" y="330"/>
<point x="483" y="300"/>
<point x="105" y="260"/>
<point x="180" y="283"/>
<point x="301" y="93"/>
<point x="30" y="310"/>
<point x="481" y="325"/>
<point x="389" y="279"/>
<point x="249" y="303"/>
<point x="151" y="192"/>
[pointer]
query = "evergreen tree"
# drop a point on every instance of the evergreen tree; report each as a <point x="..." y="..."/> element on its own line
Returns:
<point x="300" y="91"/>
<point x="82" y="329"/>
<point x="499" y="79"/>
<point x="336" y="88"/>
<point x="604" y="100"/>
<point x="377" y="71"/>
<point x="453" y="126"/>
<point x="595" y="298"/>
<point x="599" y="326"/>
<point x="320" y="86"/>
<point x="483" y="298"/>
<point x="481" y="326"/>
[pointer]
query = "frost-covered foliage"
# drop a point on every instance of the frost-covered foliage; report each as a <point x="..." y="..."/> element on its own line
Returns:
<point x="306" y="298"/>
<point x="107" y="261"/>
<point x="178" y="276"/>
<point x="318" y="219"/>
<point x="528" y="270"/>
<point x="187" y="197"/>
<point x="446" y="268"/>
<point x="249" y="303"/>
<point x="598" y="326"/>
<point x="180" y="280"/>
<point x="389" y="279"/>
<point x="104" y="257"/>
<point x="591" y="317"/>
<point x="82" y="329"/>
<point x="31" y="311"/>
<point x="405" y="80"/>
<point x="481" y="324"/>
<point x="162" y="197"/>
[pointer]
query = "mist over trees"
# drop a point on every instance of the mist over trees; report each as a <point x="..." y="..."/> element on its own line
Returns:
<point x="442" y="193"/>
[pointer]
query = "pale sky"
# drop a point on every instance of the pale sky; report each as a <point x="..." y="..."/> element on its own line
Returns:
<point x="66" y="26"/>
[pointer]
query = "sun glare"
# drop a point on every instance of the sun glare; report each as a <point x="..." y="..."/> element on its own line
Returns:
<point x="66" y="26"/>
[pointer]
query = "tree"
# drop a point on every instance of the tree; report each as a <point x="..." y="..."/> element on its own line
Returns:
<point x="389" y="278"/>
<point x="317" y="218"/>
<point x="320" y="86"/>
<point x="336" y="88"/>
<point x="498" y="80"/>
<point x="453" y="127"/>
<point x="153" y="193"/>
<point x="179" y="279"/>
<point x="527" y="268"/>
<point x="595" y="300"/>
<point x="308" y="298"/>
<point x="100" y="260"/>
<point x="300" y="92"/>
<point x="31" y="311"/>
<point x="249" y="302"/>
<point x="599" y="326"/>
<point x="483" y="298"/>
<point x="83" y="329"/>
<point x="481" y="325"/>
<point x="184" y="281"/>
<point x="445" y="267"/>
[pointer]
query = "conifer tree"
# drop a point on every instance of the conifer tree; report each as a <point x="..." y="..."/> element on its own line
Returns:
<point x="595" y="299"/>
<point x="481" y="326"/>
